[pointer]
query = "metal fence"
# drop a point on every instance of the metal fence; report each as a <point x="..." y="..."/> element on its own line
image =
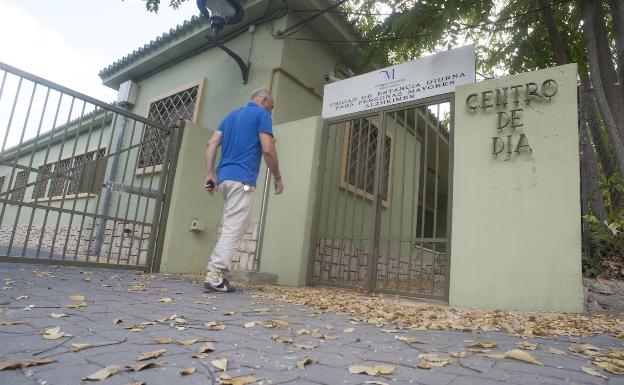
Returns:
<point x="383" y="206"/>
<point x="71" y="188"/>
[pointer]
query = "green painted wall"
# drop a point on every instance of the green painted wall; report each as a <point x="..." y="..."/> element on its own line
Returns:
<point x="288" y="227"/>
<point x="516" y="238"/>
<point x="184" y="250"/>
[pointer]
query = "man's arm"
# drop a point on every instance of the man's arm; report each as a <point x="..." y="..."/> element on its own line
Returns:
<point x="270" y="157"/>
<point x="211" y="154"/>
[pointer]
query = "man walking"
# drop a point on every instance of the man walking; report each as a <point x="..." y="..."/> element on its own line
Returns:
<point x="245" y="135"/>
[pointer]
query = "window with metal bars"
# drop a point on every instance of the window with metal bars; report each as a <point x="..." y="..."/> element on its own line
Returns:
<point x="167" y="111"/>
<point x="21" y="179"/>
<point x="41" y="184"/>
<point x="68" y="173"/>
<point x="359" y="159"/>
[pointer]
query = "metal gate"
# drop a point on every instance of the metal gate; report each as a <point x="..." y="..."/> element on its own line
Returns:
<point x="82" y="182"/>
<point x="383" y="215"/>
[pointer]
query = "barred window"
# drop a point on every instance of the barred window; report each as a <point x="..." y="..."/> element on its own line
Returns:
<point x="78" y="168"/>
<point x="21" y="179"/>
<point x="360" y="156"/>
<point x="69" y="172"/>
<point x="59" y="180"/>
<point x="43" y="178"/>
<point x="167" y="111"/>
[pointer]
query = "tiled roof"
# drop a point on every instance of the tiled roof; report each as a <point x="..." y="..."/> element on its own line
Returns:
<point x="153" y="45"/>
<point x="177" y="32"/>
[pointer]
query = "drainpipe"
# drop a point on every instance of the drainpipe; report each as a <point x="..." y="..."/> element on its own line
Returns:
<point x="126" y="98"/>
<point x="267" y="179"/>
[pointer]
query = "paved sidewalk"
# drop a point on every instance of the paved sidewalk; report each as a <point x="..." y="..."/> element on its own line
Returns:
<point x="161" y="307"/>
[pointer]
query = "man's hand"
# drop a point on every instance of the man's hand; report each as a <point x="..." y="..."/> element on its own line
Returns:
<point x="210" y="184"/>
<point x="279" y="185"/>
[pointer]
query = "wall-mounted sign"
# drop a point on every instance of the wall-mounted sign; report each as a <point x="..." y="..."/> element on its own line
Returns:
<point x="429" y="76"/>
<point x="509" y="102"/>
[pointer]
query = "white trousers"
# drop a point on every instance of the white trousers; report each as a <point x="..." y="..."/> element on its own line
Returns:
<point x="238" y="200"/>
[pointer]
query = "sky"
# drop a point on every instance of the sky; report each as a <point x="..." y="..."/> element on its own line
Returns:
<point x="70" y="41"/>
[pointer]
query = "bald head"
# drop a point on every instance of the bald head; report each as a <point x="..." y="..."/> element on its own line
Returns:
<point x="263" y="98"/>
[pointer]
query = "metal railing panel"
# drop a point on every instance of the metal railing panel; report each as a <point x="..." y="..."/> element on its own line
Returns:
<point x="382" y="216"/>
<point x="72" y="189"/>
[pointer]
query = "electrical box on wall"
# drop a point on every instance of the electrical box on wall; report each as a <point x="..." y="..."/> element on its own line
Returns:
<point x="197" y="225"/>
<point x="127" y="93"/>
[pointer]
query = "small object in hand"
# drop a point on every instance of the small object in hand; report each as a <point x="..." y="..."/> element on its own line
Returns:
<point x="210" y="184"/>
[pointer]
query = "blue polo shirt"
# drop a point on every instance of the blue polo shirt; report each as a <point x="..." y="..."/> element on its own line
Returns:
<point x="241" y="151"/>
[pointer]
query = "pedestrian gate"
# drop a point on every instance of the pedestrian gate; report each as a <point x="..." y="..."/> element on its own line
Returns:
<point x="82" y="182"/>
<point x="383" y="206"/>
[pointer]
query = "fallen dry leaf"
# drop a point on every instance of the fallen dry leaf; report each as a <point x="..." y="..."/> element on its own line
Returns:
<point x="586" y="349"/>
<point x="11" y="323"/>
<point x="187" y="371"/>
<point x="303" y="346"/>
<point x="188" y="342"/>
<point x="429" y="360"/>
<point x="166" y="299"/>
<point x="526" y="345"/>
<point x="201" y="356"/>
<point x="274" y="323"/>
<point x="206" y="347"/>
<point x="102" y="374"/>
<point x="224" y="379"/>
<point x="229" y="313"/>
<point x="303" y="331"/>
<point x="593" y="372"/>
<point x="302" y="363"/>
<point x="18" y="364"/>
<point x="214" y="325"/>
<point x="148" y="355"/>
<point x="76" y="305"/>
<point x="162" y="341"/>
<point x="376" y="382"/>
<point x="54" y="334"/>
<point x="517" y="354"/>
<point x="78" y="347"/>
<point x="78" y="298"/>
<point x="280" y="338"/>
<point x="556" y="351"/>
<point x="409" y="340"/>
<point x="220" y="363"/>
<point x="462" y="354"/>
<point x="139" y="367"/>
<point x="21" y="297"/>
<point x="58" y="315"/>
<point x="249" y="325"/>
<point x="117" y="321"/>
<point x="348" y="330"/>
<point x="610" y="367"/>
<point x="482" y="344"/>
<point x="371" y="371"/>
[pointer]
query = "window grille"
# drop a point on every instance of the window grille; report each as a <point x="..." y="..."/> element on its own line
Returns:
<point x="68" y="173"/>
<point x="2" y="178"/>
<point x="360" y="160"/>
<point x="20" y="180"/>
<point x="167" y="111"/>
<point x="42" y="181"/>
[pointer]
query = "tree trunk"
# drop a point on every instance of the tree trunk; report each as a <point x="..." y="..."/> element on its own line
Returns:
<point x="606" y="64"/>
<point x="617" y="13"/>
<point x="588" y="11"/>
<point x="556" y="41"/>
